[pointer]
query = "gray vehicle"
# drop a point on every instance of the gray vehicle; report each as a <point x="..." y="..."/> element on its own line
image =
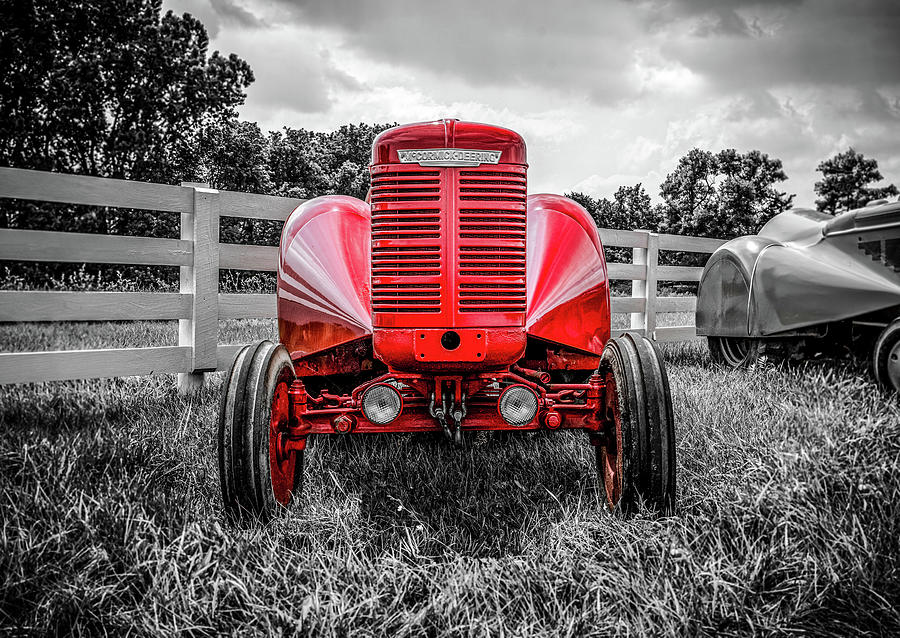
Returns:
<point x="808" y="282"/>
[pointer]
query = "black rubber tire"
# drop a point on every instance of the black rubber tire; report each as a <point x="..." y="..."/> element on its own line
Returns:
<point x="736" y="352"/>
<point x="244" y="422"/>
<point x="886" y="357"/>
<point x="647" y="424"/>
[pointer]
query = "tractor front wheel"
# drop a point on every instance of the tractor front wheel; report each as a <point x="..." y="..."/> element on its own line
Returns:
<point x="257" y="480"/>
<point x="636" y="454"/>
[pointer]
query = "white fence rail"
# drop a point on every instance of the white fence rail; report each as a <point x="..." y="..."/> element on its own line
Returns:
<point x="198" y="306"/>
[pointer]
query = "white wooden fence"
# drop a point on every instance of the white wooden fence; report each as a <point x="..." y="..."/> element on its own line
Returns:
<point x="198" y="306"/>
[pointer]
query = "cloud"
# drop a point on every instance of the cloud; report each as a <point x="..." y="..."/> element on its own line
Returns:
<point x="230" y="10"/>
<point x="295" y="71"/>
<point x="827" y="42"/>
<point x="582" y="49"/>
<point x="607" y="185"/>
<point x="606" y="93"/>
<point x="214" y="14"/>
<point x="714" y="17"/>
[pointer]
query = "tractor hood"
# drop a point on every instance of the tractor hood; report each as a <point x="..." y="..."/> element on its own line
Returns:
<point x="449" y="141"/>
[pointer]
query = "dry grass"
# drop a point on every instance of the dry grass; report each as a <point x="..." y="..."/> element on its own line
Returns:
<point x="789" y="480"/>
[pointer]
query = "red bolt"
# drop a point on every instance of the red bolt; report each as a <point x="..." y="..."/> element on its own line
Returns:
<point x="343" y="423"/>
<point x="552" y="420"/>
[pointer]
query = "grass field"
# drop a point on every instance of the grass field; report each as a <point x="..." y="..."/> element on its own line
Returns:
<point x="788" y="519"/>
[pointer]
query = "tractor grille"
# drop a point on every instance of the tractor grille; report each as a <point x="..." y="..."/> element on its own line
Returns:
<point x="491" y="240"/>
<point x="406" y="241"/>
<point x="448" y="243"/>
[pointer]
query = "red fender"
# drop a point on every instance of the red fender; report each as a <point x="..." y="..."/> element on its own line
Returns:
<point x="568" y="289"/>
<point x="324" y="295"/>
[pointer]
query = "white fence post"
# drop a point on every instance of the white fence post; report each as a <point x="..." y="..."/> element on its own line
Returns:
<point x="201" y="331"/>
<point x="645" y="289"/>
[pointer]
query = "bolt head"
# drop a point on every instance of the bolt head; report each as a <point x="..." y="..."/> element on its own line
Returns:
<point x="552" y="420"/>
<point x="342" y="424"/>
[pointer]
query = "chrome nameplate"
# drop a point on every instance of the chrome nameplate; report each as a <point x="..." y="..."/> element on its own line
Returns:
<point x="448" y="157"/>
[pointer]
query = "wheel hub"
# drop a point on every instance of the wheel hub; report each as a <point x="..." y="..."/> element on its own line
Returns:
<point x="610" y="450"/>
<point x="282" y="458"/>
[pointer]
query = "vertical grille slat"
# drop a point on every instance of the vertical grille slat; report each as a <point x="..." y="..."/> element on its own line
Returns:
<point x="407" y="228"/>
<point x="491" y="240"/>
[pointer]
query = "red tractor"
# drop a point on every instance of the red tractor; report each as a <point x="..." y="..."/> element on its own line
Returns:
<point x="450" y="302"/>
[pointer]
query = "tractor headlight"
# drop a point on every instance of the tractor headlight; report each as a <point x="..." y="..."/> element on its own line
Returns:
<point x="518" y="405"/>
<point x="381" y="403"/>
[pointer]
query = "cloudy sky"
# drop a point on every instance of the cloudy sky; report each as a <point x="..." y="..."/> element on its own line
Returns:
<point x="605" y="93"/>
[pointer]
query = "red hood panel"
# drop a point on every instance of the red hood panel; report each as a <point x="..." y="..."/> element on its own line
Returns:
<point x="323" y="275"/>
<point x="568" y="290"/>
<point x="449" y="134"/>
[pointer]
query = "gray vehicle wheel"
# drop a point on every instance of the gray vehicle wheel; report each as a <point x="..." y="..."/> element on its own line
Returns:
<point x="636" y="460"/>
<point x="737" y="352"/>
<point x="886" y="357"/>
<point x="256" y="482"/>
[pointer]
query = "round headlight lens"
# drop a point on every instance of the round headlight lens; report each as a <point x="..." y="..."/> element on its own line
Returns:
<point x="518" y="405"/>
<point x="381" y="404"/>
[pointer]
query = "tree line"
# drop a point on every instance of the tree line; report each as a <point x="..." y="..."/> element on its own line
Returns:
<point x="729" y="194"/>
<point x="124" y="90"/>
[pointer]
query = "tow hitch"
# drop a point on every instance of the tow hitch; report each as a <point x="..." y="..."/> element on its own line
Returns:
<point x="451" y="413"/>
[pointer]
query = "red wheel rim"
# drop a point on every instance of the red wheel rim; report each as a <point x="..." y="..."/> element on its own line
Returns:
<point x="281" y="466"/>
<point x="610" y="453"/>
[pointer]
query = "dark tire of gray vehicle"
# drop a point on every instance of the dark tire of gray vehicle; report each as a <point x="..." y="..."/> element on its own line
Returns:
<point x="886" y="357"/>
<point x="736" y="352"/>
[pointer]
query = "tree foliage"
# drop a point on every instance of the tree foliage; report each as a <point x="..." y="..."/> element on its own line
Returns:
<point x="109" y="88"/>
<point x="112" y="89"/>
<point x="689" y="192"/>
<point x="307" y="163"/>
<point x="629" y="208"/>
<point x="236" y="155"/>
<point x="845" y="182"/>
<point x="725" y="194"/>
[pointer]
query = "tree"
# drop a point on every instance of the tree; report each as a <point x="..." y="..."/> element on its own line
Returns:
<point x="109" y="88"/>
<point x="295" y="163"/>
<point x="234" y="155"/>
<point x="629" y="208"/>
<point x="845" y="182"/>
<point x="689" y="192"/>
<point x="726" y="194"/>
<point x="307" y="164"/>
<point x="747" y="196"/>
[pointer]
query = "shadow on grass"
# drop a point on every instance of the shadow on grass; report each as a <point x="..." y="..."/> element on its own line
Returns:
<point x="478" y="500"/>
